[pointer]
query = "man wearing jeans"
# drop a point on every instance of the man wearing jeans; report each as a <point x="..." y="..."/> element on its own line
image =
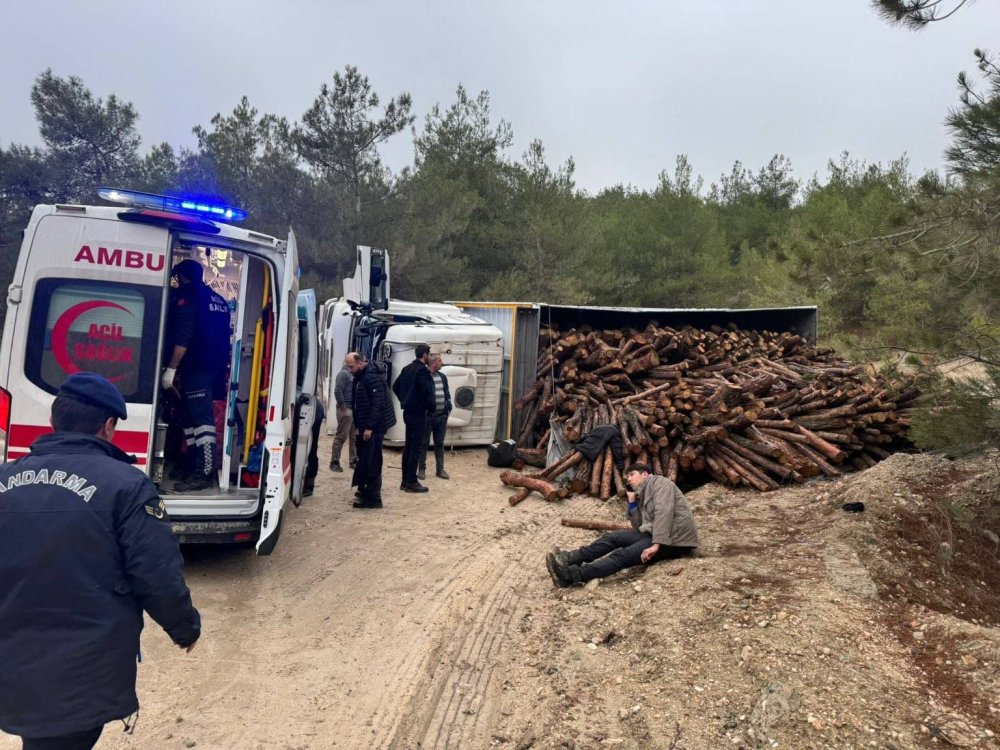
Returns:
<point x="437" y="423"/>
<point x="342" y="388"/>
<point x="662" y="528"/>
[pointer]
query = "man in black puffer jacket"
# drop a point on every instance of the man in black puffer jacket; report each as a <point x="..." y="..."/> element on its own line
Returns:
<point x="86" y="547"/>
<point x="373" y="415"/>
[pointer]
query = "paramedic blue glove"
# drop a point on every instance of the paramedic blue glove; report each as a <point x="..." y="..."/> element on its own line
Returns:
<point x="167" y="381"/>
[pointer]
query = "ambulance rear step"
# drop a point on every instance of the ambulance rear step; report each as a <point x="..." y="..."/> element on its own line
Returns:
<point x="216" y="532"/>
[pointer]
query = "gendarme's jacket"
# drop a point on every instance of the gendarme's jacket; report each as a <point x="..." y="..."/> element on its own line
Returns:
<point x="85" y="547"/>
<point x="664" y="513"/>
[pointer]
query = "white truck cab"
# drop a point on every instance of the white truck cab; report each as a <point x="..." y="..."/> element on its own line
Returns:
<point x="90" y="293"/>
<point x="388" y="330"/>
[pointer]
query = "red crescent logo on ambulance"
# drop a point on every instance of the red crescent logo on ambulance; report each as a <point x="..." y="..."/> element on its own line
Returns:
<point x="60" y="333"/>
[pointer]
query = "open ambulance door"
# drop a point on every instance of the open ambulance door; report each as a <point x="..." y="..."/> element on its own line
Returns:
<point x="281" y="411"/>
<point x="306" y="382"/>
<point x="462" y="386"/>
<point x="370" y="284"/>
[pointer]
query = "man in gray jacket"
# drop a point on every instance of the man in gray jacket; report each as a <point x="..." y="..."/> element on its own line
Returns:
<point x="662" y="528"/>
<point x="342" y="387"/>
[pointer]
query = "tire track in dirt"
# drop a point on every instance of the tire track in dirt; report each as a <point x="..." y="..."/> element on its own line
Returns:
<point x="454" y="703"/>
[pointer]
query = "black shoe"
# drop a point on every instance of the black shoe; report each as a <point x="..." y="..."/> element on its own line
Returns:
<point x="195" y="483"/>
<point x="562" y="575"/>
<point x="358" y="493"/>
<point x="565" y="558"/>
<point x="335" y="466"/>
<point x="307" y="489"/>
<point x="415" y="487"/>
<point x="367" y="505"/>
<point x="180" y="472"/>
<point x="442" y="474"/>
<point x="555" y="571"/>
<point x="422" y="473"/>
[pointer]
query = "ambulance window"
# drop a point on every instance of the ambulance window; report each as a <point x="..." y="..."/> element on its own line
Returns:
<point x="303" y="355"/>
<point x="95" y="326"/>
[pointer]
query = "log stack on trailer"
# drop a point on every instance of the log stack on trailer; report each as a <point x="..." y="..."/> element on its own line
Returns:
<point x="751" y="408"/>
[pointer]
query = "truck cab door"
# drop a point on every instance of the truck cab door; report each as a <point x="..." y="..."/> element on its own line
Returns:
<point x="307" y="375"/>
<point x="281" y="411"/>
<point x="370" y="285"/>
<point x="462" y="386"/>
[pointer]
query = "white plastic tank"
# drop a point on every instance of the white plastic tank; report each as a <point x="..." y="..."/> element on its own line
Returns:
<point x="473" y="364"/>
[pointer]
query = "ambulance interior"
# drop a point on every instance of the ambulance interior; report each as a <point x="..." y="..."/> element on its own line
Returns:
<point x="239" y="402"/>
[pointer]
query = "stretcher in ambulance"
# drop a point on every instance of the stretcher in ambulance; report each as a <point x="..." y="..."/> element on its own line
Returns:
<point x="90" y="293"/>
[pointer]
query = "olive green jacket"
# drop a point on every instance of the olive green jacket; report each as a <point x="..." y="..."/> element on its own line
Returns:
<point x="664" y="513"/>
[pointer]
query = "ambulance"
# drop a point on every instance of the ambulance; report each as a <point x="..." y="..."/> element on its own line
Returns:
<point x="90" y="293"/>
<point x="388" y="332"/>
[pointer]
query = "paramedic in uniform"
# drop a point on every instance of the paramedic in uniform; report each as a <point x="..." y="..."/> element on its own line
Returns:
<point x="199" y="331"/>
<point x="86" y="549"/>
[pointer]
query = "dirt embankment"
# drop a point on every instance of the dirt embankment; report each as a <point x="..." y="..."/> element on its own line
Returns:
<point x="798" y="626"/>
<point x="433" y="624"/>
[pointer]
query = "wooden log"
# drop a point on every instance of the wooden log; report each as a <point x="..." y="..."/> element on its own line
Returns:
<point x="594" y="525"/>
<point x="533" y="483"/>
<point x="524" y="438"/>
<point x="608" y="469"/>
<point x="722" y="469"/>
<point x="581" y="479"/>
<point x="596" y="473"/>
<point x="620" y="487"/>
<point x="744" y="468"/>
<point x="532" y="456"/>
<point x="765" y="463"/>
<point x="825" y="466"/>
<point x="518" y="496"/>
<point x="829" y="450"/>
<point x="530" y="395"/>
<point x="561" y="466"/>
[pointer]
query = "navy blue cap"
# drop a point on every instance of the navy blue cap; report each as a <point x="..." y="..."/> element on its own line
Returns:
<point x="191" y="269"/>
<point x="96" y="390"/>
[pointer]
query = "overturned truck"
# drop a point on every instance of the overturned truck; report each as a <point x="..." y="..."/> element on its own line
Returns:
<point x="702" y="397"/>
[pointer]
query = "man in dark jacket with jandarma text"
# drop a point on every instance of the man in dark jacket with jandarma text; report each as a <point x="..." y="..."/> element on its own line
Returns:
<point x="85" y="548"/>
<point x="415" y="390"/>
<point x="662" y="528"/>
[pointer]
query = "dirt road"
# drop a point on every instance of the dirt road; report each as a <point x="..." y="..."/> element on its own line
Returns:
<point x="432" y="624"/>
<point x="365" y="629"/>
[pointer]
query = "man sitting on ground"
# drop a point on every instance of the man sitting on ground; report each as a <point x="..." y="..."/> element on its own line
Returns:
<point x="663" y="528"/>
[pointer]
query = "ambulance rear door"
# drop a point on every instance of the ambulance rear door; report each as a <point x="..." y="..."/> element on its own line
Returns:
<point x="277" y="480"/>
<point x="306" y="382"/>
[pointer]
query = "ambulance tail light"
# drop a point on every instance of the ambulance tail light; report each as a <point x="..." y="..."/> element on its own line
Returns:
<point x="5" y="404"/>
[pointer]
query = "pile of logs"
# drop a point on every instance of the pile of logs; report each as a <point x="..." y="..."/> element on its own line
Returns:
<point x="746" y="408"/>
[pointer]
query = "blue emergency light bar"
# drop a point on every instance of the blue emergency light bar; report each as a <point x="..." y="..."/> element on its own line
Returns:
<point x="191" y="206"/>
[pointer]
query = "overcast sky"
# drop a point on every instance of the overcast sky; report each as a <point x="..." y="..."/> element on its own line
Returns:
<point x="622" y="87"/>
